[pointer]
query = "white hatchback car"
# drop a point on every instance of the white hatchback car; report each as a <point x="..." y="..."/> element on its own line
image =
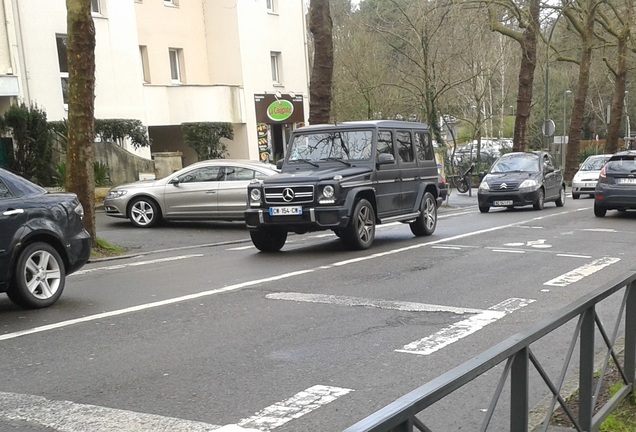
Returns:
<point x="584" y="181"/>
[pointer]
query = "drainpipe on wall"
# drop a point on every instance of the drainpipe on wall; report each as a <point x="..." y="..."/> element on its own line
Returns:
<point x="16" y="47"/>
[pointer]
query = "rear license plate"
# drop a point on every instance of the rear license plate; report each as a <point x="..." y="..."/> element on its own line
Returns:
<point x="627" y="181"/>
<point x="285" y="211"/>
<point x="503" y="203"/>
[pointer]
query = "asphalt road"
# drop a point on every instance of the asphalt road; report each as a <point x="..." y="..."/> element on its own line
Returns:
<point x="196" y="330"/>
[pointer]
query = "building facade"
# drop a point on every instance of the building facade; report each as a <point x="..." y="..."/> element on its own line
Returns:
<point x="169" y="62"/>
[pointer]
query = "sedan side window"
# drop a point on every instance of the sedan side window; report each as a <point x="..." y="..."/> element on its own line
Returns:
<point x="4" y="191"/>
<point x="236" y="174"/>
<point x="204" y="174"/>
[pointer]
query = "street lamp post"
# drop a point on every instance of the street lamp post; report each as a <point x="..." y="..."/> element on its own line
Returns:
<point x="565" y="114"/>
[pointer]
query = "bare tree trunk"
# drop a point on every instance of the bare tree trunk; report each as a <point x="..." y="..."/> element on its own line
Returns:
<point x="321" y="28"/>
<point x="529" y="21"/>
<point x="618" y="100"/>
<point x="80" y="177"/>
<point x="585" y="28"/>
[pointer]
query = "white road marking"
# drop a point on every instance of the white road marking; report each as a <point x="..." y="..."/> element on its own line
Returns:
<point x="461" y="329"/>
<point x="581" y="272"/>
<point x="429" y="344"/>
<point x="600" y="230"/>
<point x="574" y="256"/>
<point x="65" y="416"/>
<point x="376" y="303"/>
<point x="446" y="247"/>
<point x="509" y="251"/>
<point x="293" y="408"/>
<point x="241" y="248"/>
<point x="135" y="264"/>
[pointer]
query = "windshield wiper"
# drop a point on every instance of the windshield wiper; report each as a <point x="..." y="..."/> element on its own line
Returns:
<point x="336" y="159"/>
<point x="306" y="161"/>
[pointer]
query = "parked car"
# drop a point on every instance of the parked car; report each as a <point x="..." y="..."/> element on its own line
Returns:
<point x="42" y="240"/>
<point x="616" y="187"/>
<point x="212" y="190"/>
<point x="520" y="179"/>
<point x="348" y="177"/>
<point x="584" y="181"/>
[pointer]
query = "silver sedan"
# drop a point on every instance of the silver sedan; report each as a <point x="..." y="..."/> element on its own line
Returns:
<point x="212" y="190"/>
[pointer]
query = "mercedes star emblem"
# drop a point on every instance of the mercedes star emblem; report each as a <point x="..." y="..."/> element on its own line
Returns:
<point x="288" y="194"/>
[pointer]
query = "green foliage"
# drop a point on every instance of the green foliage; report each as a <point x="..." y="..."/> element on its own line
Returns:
<point x="116" y="130"/>
<point x="205" y="138"/>
<point x="586" y="152"/>
<point x="102" y="174"/>
<point x="32" y="143"/>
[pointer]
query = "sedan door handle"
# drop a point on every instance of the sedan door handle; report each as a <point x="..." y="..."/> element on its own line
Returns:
<point x="210" y="191"/>
<point x="13" y="212"/>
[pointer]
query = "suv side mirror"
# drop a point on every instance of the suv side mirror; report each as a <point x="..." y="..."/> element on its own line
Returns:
<point x="549" y="168"/>
<point x="385" y="159"/>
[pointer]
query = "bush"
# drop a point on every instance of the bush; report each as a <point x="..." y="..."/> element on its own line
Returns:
<point x="205" y="138"/>
<point x="102" y="174"/>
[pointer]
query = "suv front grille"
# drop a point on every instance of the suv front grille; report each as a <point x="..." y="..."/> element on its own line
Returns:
<point x="289" y="194"/>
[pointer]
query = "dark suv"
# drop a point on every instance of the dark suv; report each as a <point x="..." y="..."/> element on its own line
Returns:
<point x="42" y="239"/>
<point x="616" y="187"/>
<point x="348" y="177"/>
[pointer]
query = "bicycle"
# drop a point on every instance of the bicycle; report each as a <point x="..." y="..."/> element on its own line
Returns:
<point x="460" y="181"/>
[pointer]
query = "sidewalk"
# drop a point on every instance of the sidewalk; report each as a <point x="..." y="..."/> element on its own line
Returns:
<point x="456" y="199"/>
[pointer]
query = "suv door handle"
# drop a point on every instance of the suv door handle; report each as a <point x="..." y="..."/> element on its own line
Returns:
<point x="13" y="212"/>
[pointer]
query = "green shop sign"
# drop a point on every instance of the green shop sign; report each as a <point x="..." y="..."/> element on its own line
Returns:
<point x="280" y="110"/>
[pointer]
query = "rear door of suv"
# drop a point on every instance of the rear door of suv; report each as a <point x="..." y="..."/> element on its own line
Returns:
<point x="409" y="171"/>
<point x="388" y="189"/>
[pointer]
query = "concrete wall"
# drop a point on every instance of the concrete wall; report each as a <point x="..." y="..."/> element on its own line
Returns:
<point x="123" y="166"/>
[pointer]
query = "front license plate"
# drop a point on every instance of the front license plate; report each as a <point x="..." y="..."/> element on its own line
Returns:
<point x="503" y="203"/>
<point x="589" y="185"/>
<point x="285" y="211"/>
<point x="627" y="181"/>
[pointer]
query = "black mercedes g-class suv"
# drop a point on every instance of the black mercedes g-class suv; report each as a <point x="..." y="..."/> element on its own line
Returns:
<point x="347" y="177"/>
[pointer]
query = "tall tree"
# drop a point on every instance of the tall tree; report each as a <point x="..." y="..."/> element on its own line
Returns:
<point x="582" y="15"/>
<point x="80" y="155"/>
<point x="617" y="23"/>
<point x="528" y="20"/>
<point x="321" y="28"/>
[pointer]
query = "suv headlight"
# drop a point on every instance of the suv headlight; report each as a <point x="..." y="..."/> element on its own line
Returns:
<point x="116" y="193"/>
<point x="528" y="183"/>
<point x="255" y="196"/>
<point x="327" y="195"/>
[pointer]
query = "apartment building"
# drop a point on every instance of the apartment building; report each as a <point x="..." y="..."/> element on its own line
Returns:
<point x="169" y="62"/>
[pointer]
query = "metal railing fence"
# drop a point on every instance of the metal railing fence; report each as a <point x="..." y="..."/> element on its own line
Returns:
<point x="400" y="416"/>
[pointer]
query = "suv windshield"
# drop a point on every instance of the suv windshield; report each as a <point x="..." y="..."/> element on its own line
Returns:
<point x="594" y="164"/>
<point x="348" y="146"/>
<point x="518" y="162"/>
<point x="622" y="165"/>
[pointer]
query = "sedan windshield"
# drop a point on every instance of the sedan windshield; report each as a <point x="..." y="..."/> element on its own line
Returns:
<point x="518" y="163"/>
<point x="594" y="164"/>
<point x="346" y="146"/>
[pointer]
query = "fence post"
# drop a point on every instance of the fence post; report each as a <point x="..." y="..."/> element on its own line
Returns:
<point x="586" y="370"/>
<point x="519" y="389"/>
<point x="630" y="334"/>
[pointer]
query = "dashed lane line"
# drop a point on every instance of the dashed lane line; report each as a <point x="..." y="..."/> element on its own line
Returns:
<point x="581" y="272"/>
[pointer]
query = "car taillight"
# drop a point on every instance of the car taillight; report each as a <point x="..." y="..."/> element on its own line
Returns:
<point x="602" y="174"/>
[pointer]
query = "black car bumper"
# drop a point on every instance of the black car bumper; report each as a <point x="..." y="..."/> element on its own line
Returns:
<point x="78" y="251"/>
<point x="507" y="199"/>
<point x="311" y="219"/>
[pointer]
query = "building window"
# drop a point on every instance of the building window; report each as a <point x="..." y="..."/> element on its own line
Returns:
<point x="145" y="68"/>
<point x="276" y="63"/>
<point x="62" y="59"/>
<point x="271" y="6"/>
<point x="175" y="65"/>
<point x="96" y="7"/>
<point x="171" y="3"/>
